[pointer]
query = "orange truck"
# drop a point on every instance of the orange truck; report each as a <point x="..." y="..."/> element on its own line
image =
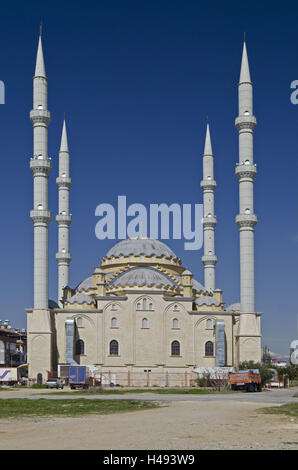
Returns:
<point x="248" y="380"/>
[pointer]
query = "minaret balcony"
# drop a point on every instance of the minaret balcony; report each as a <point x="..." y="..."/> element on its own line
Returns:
<point x="63" y="258"/>
<point x="245" y="170"/>
<point x="40" y="116"/>
<point x="244" y="123"/>
<point x="63" y="181"/>
<point x="246" y="221"/>
<point x="209" y="260"/>
<point x="208" y="185"/>
<point x="40" y="216"/>
<point x="209" y="221"/>
<point x="63" y="219"/>
<point x="40" y="166"/>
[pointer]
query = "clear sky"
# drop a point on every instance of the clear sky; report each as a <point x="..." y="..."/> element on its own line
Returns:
<point x="137" y="80"/>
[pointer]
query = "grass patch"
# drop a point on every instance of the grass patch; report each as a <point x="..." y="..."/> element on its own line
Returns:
<point x="291" y="409"/>
<point x="20" y="407"/>
<point x="162" y="391"/>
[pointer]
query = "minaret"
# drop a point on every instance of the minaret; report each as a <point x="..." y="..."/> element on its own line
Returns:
<point x="248" y="337"/>
<point x="208" y="186"/>
<point x="246" y="172"/>
<point x="63" y="218"/>
<point x="40" y="164"/>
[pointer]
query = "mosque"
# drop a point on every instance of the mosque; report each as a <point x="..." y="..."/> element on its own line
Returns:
<point x="140" y="313"/>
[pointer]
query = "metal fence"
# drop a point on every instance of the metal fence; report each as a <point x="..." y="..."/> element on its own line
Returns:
<point x="135" y="379"/>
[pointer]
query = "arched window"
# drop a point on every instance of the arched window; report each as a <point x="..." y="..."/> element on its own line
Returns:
<point x="114" y="348"/>
<point x="175" y="323"/>
<point x="145" y="323"/>
<point x="209" y="324"/>
<point x="209" y="348"/>
<point x="114" y="322"/>
<point x="79" y="322"/>
<point x="175" y="348"/>
<point x="144" y="304"/>
<point x="80" y="347"/>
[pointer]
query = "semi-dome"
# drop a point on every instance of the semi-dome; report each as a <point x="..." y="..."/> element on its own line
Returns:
<point x="207" y="300"/>
<point x="80" y="298"/>
<point x="234" y="307"/>
<point x="141" y="276"/>
<point x="85" y="285"/>
<point x="140" y="246"/>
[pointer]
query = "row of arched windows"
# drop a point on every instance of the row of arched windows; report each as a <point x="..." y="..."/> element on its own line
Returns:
<point x="145" y="323"/>
<point x="114" y="348"/>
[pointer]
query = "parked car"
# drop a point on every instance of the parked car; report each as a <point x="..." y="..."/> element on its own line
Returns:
<point x="54" y="383"/>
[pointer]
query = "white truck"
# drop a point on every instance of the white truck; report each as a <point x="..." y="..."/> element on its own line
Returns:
<point x="8" y="375"/>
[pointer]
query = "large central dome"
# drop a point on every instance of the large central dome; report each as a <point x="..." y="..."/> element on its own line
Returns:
<point x="140" y="246"/>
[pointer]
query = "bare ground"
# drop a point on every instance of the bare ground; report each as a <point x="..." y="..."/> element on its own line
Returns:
<point x="176" y="425"/>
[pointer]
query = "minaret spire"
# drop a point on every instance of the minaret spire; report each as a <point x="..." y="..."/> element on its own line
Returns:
<point x="39" y="66"/>
<point x="208" y="186"/>
<point x="63" y="218"/>
<point x="208" y="146"/>
<point x="244" y="71"/>
<point x="246" y="220"/>
<point x="64" y="142"/>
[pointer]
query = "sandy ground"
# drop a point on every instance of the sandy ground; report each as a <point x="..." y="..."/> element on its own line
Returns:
<point x="219" y="424"/>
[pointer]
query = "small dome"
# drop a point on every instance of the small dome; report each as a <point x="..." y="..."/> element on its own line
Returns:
<point x="186" y="273"/>
<point x="141" y="276"/>
<point x="234" y="307"/>
<point x="140" y="246"/>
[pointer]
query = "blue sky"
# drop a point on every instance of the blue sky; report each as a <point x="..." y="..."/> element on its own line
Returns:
<point x="137" y="80"/>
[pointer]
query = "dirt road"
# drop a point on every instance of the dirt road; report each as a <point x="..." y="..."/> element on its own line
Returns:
<point x="182" y="424"/>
